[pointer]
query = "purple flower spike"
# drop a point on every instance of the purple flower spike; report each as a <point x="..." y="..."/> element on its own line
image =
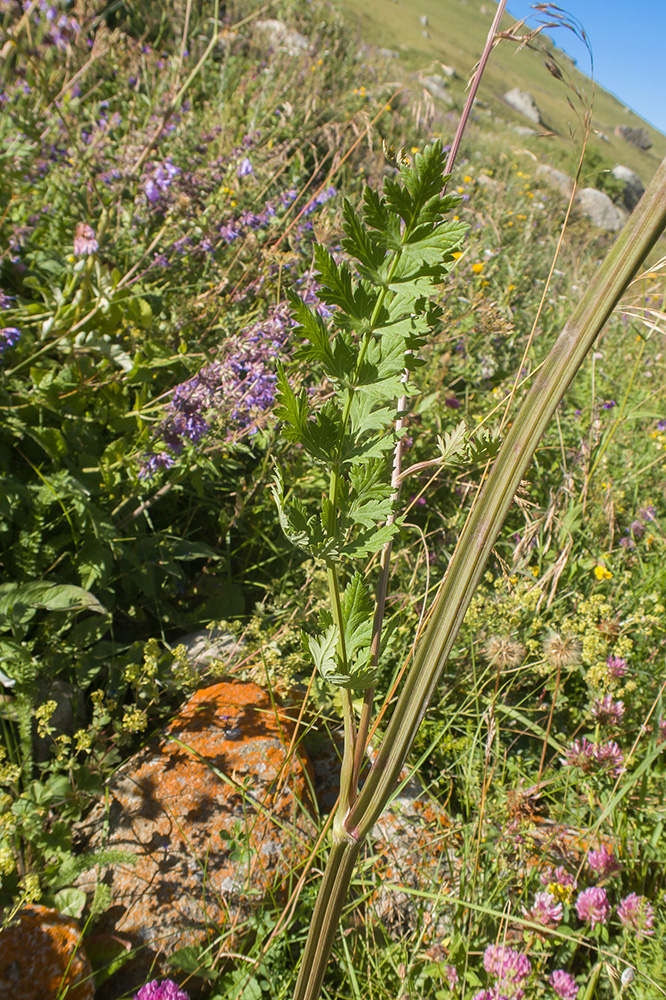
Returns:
<point x="637" y="914"/>
<point x="245" y="168"/>
<point x="564" y="985"/>
<point x="85" y="242"/>
<point x="166" y="990"/>
<point x="9" y="337"/>
<point x="592" y="906"/>
<point x="162" y="460"/>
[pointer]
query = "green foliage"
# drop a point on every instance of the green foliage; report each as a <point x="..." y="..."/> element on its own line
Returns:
<point x="105" y="566"/>
<point x="399" y="248"/>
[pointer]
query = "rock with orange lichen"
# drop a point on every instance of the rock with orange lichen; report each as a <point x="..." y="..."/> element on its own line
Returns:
<point x="216" y="812"/>
<point x="41" y="955"/>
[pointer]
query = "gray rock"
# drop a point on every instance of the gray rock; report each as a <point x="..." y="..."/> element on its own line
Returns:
<point x="283" y="38"/>
<point x="388" y="53"/>
<point x="69" y="715"/>
<point x="636" y="136"/>
<point x="414" y="849"/>
<point x="555" y="178"/>
<point x="424" y="20"/>
<point x="600" y="210"/>
<point x="436" y="86"/>
<point x="522" y="101"/>
<point x="633" y="186"/>
<point x="448" y="71"/>
<point x="207" y="645"/>
<point x="524" y="130"/>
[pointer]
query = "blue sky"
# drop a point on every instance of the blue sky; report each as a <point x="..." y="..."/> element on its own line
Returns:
<point x="628" y="44"/>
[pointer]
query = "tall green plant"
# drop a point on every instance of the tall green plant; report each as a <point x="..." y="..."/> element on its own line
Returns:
<point x="401" y="247"/>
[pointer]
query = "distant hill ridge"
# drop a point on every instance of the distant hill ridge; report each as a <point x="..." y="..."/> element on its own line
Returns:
<point x="423" y="34"/>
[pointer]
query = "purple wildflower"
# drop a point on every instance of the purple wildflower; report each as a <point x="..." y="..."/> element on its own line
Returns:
<point x="617" y="666"/>
<point x="319" y="199"/>
<point x="509" y="966"/>
<point x="162" y="460"/>
<point x="85" y="242"/>
<point x="603" y="862"/>
<point x="166" y="990"/>
<point x="637" y="914"/>
<point x="564" y="985"/>
<point x="288" y="196"/>
<point x="592" y="905"/>
<point x="452" y="403"/>
<point x="6" y="300"/>
<point x="159" y="181"/>
<point x="229" y="232"/>
<point x="608" y="712"/>
<point x="9" y="337"/>
<point x="495" y="995"/>
<point x="245" y="168"/>
<point x="451" y="974"/>
<point x="636" y="529"/>
<point x="546" y="910"/>
<point x="648" y="512"/>
<point x="559" y="876"/>
<point x="241" y="387"/>
<point x="580" y="754"/>
<point x="609" y="757"/>
<point x="594" y="757"/>
<point x="609" y="404"/>
<point x="309" y="287"/>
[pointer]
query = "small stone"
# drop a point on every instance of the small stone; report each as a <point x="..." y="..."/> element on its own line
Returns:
<point x="207" y="645"/>
<point x="284" y="38"/>
<point x="523" y="102"/>
<point x="42" y="957"/>
<point x="69" y="715"/>
<point x="556" y="179"/>
<point x="436" y="86"/>
<point x="600" y="210"/>
<point x="415" y="848"/>
<point x="633" y="186"/>
<point x="388" y="53"/>
<point x="424" y="20"/>
<point x="639" y="137"/>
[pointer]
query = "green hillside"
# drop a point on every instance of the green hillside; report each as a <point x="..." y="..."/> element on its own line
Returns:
<point x="455" y="34"/>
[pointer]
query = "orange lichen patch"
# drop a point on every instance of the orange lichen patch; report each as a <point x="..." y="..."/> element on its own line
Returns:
<point x="41" y="955"/>
<point x="216" y="813"/>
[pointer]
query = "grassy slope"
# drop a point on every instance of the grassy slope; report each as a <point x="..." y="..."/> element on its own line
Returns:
<point x="457" y="30"/>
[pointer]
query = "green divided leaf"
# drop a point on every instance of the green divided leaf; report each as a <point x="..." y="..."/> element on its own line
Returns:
<point x="357" y="611"/>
